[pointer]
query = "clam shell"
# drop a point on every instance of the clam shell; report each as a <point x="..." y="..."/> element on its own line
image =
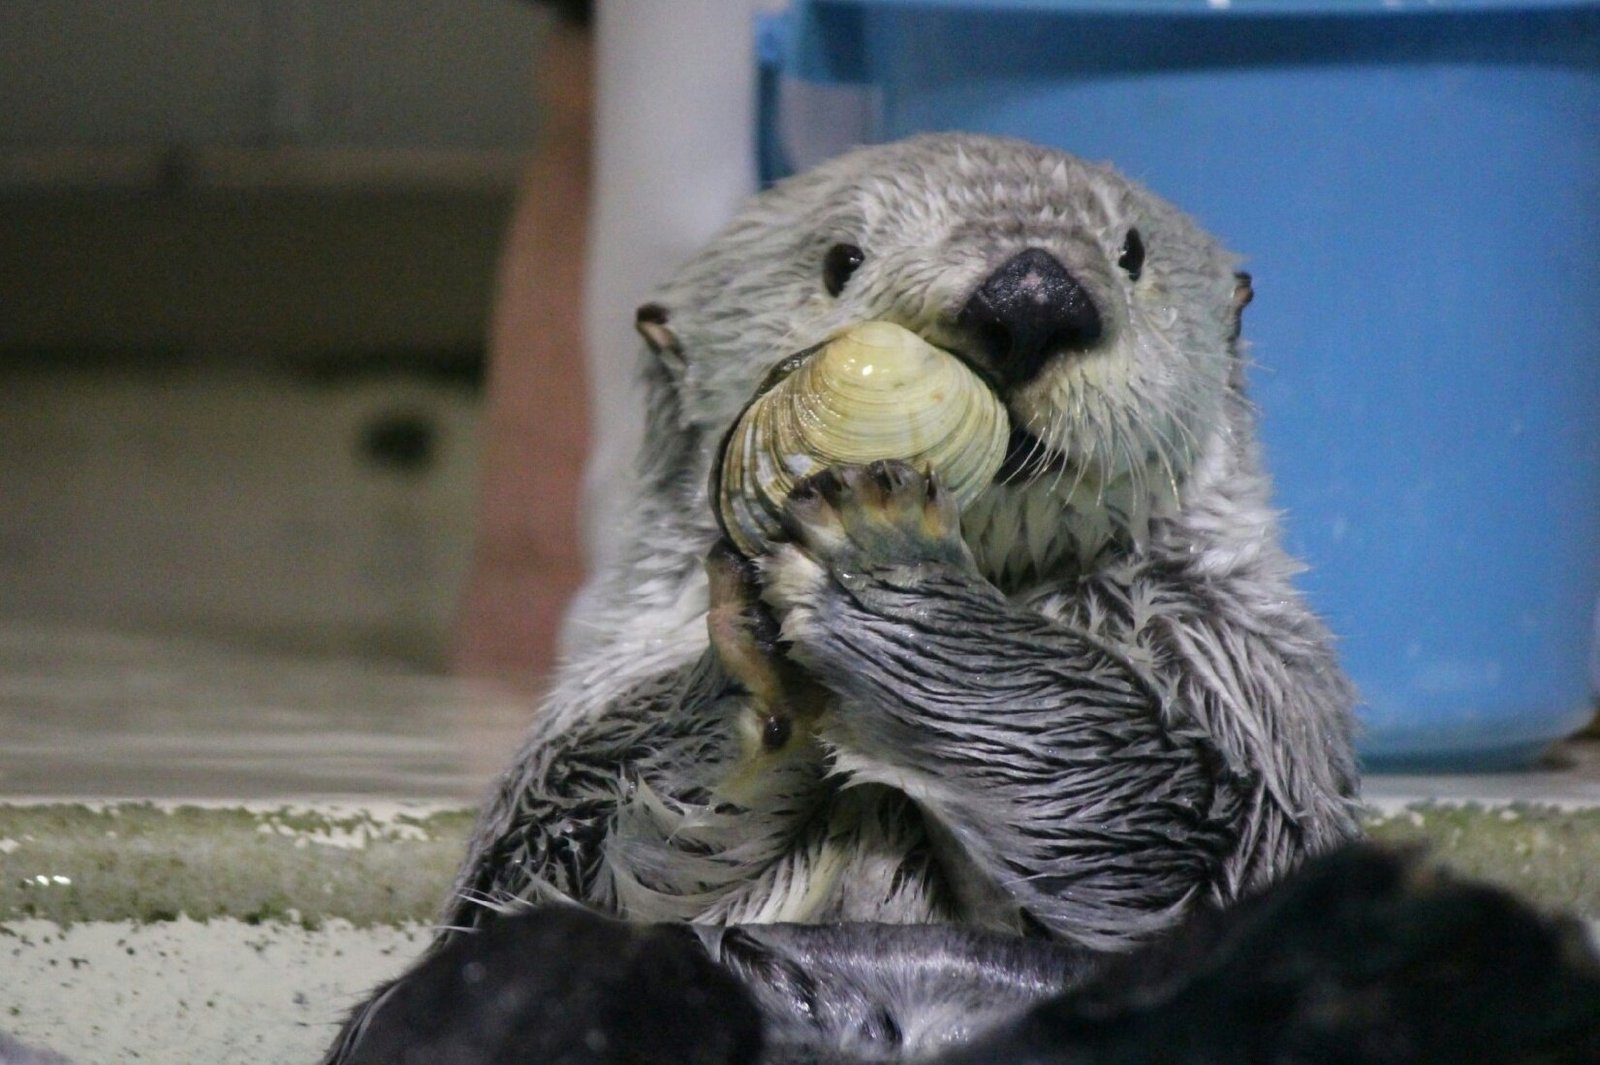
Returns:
<point x="876" y="391"/>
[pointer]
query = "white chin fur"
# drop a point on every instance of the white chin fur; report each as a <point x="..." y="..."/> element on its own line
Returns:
<point x="1054" y="526"/>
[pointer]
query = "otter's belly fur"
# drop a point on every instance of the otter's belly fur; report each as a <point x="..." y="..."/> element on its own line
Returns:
<point x="868" y="859"/>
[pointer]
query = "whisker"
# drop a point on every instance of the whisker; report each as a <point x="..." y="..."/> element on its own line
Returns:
<point x="1059" y="428"/>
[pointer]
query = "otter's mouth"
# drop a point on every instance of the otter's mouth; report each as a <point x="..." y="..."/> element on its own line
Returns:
<point x="1028" y="458"/>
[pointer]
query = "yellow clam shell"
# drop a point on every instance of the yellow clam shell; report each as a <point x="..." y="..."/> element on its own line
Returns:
<point x="876" y="391"/>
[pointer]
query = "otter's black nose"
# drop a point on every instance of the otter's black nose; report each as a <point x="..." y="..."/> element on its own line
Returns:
<point x="1026" y="311"/>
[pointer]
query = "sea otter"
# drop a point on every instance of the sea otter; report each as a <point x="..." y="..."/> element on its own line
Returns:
<point x="940" y="753"/>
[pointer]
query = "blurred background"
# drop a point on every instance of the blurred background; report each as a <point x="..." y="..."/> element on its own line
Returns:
<point x="294" y="403"/>
<point x="248" y="272"/>
<point x="247" y="253"/>
<point x="295" y="298"/>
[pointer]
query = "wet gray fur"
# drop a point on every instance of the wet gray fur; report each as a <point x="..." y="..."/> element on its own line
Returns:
<point x="1109" y="706"/>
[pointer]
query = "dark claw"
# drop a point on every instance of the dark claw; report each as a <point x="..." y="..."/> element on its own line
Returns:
<point x="724" y="553"/>
<point x="829" y="484"/>
<point x="805" y="491"/>
<point x="886" y="475"/>
<point x="776" y="731"/>
<point x="849" y="480"/>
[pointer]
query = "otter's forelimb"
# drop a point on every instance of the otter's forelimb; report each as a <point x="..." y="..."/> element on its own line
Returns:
<point x="1066" y="788"/>
<point x="627" y="812"/>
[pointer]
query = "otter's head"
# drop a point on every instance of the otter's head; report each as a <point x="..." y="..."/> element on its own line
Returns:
<point x="1104" y="319"/>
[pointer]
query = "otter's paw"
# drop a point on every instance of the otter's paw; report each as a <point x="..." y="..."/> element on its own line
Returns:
<point x="745" y="638"/>
<point x="884" y="525"/>
<point x="743" y="632"/>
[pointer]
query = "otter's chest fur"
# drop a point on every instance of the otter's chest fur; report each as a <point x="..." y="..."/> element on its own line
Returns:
<point x="866" y="856"/>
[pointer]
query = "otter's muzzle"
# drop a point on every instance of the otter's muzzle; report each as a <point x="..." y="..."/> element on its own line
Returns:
<point x="1027" y="311"/>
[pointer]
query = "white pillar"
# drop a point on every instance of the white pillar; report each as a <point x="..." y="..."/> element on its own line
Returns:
<point x="675" y="155"/>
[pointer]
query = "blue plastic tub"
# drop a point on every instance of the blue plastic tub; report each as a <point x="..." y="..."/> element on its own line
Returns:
<point x="1416" y="187"/>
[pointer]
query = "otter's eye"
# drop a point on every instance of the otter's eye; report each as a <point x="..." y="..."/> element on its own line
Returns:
<point x="837" y="266"/>
<point x="1132" y="258"/>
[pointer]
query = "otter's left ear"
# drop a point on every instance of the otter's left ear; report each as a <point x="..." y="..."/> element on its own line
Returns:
<point x="651" y="322"/>
<point x="1243" y="293"/>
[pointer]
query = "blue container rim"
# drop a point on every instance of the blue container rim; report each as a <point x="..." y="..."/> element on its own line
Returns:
<point x="1222" y="8"/>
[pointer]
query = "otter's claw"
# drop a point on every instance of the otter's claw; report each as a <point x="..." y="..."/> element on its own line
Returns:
<point x="886" y="513"/>
<point x="886" y="522"/>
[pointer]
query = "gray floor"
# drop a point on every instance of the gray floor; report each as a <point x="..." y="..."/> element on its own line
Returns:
<point x="86" y="714"/>
<point x="1568" y="778"/>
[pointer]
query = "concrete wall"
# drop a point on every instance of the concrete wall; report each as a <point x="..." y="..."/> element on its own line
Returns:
<point x="397" y="73"/>
<point x="246" y="256"/>
<point x="330" y="519"/>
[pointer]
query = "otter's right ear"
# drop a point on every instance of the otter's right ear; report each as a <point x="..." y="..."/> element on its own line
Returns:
<point x="1243" y="293"/>
<point x="651" y="322"/>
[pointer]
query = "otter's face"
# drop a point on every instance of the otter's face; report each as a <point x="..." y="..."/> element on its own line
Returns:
<point x="1103" y="318"/>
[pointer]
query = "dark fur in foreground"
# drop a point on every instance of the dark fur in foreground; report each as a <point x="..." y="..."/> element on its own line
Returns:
<point x="1363" y="958"/>
<point x="561" y="986"/>
<point x="14" y="1053"/>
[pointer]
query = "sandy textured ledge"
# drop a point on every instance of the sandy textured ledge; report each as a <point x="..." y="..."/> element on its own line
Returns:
<point x="182" y="933"/>
<point x="185" y="992"/>
<point x="391" y="864"/>
<point x="186" y="933"/>
<point x="70" y="862"/>
<point x="1548" y="854"/>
